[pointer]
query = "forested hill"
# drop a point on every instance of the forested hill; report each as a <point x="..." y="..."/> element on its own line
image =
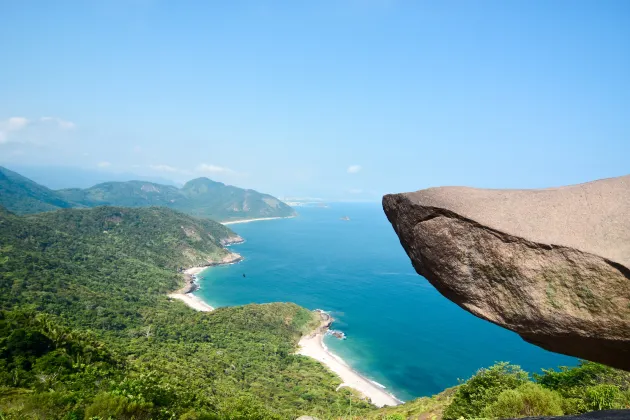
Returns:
<point x="21" y="195"/>
<point x="68" y="261"/>
<point x="200" y="197"/>
<point x="87" y="329"/>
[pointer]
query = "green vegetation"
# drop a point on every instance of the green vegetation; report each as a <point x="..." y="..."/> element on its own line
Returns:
<point x="425" y="408"/>
<point x="527" y="400"/>
<point x="483" y="389"/>
<point x="506" y="391"/>
<point x="87" y="331"/>
<point x="23" y="196"/>
<point x="200" y="197"/>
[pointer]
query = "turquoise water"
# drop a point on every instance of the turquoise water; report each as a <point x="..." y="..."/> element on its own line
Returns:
<point x="401" y="332"/>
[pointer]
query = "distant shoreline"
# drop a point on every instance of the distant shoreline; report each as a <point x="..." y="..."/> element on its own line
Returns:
<point x="234" y="222"/>
<point x="313" y="346"/>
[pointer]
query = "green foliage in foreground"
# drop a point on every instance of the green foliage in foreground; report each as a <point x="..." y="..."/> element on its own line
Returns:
<point x="505" y="390"/>
<point x="483" y="389"/>
<point x="235" y="363"/>
<point x="529" y="399"/>
<point x="423" y="407"/>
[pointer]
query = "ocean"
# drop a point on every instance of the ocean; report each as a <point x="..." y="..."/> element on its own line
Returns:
<point x="400" y="331"/>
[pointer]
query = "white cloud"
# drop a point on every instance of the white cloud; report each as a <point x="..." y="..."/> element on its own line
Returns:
<point x="213" y="169"/>
<point x="16" y="123"/>
<point x="12" y="124"/>
<point x="104" y="164"/>
<point x="164" y="168"/>
<point x="353" y="169"/>
<point x="63" y="124"/>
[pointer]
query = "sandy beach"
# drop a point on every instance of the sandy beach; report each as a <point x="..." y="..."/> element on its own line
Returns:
<point x="234" y="222"/>
<point x="185" y="294"/>
<point x="313" y="346"/>
<point x="192" y="301"/>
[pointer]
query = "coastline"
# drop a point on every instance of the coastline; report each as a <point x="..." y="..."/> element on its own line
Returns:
<point x="234" y="222"/>
<point x="185" y="294"/>
<point x="313" y="346"/>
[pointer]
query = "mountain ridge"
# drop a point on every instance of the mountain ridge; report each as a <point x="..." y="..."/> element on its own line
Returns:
<point x="201" y="197"/>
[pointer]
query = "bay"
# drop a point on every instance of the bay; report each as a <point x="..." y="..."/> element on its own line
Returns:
<point x="400" y="331"/>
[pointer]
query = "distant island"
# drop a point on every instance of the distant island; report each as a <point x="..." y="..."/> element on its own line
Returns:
<point x="199" y="197"/>
<point x="344" y="218"/>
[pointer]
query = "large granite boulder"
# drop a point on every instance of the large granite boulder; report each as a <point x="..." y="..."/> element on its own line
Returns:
<point x="552" y="265"/>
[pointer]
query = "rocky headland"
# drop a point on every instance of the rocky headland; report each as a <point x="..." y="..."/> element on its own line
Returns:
<point x="552" y="265"/>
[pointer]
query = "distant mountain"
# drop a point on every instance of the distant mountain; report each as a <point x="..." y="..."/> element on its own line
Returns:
<point x="200" y="197"/>
<point x="59" y="177"/>
<point x="22" y="196"/>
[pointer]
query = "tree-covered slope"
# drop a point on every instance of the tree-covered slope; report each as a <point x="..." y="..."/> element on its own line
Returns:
<point x="71" y="261"/>
<point x="216" y="200"/>
<point x="21" y="195"/>
<point x="87" y="329"/>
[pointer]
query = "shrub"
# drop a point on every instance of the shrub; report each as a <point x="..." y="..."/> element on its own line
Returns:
<point x="483" y="389"/>
<point x="588" y="386"/>
<point x="572" y="381"/>
<point x="604" y="397"/>
<point x="528" y="399"/>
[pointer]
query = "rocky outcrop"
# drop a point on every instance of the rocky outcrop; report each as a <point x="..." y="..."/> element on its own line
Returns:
<point x="552" y="265"/>
<point x="232" y="240"/>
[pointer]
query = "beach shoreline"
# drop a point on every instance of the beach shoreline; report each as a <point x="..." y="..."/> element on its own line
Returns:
<point x="235" y="222"/>
<point x="185" y="294"/>
<point x="313" y="346"/>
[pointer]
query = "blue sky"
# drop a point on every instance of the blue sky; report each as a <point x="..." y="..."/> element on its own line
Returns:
<point x="332" y="99"/>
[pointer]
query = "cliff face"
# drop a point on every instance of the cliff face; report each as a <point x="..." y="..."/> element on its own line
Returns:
<point x="552" y="265"/>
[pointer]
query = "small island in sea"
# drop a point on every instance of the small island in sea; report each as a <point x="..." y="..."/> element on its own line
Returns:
<point x="344" y="218"/>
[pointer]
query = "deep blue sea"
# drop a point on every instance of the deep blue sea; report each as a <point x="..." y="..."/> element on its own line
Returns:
<point x="400" y="331"/>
